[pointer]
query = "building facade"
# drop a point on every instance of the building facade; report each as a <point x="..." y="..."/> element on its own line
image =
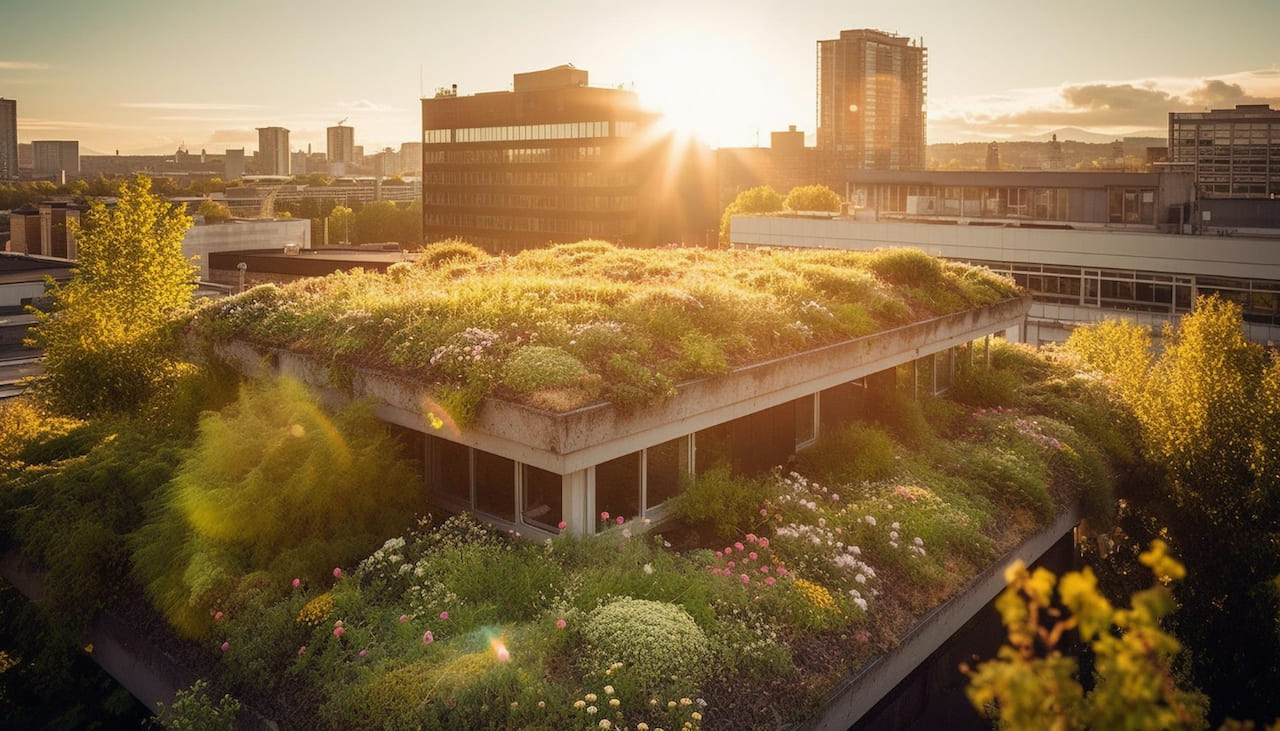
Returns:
<point x="556" y="160"/>
<point x="340" y="144"/>
<point x="56" y="157"/>
<point x="273" y="151"/>
<point x="1235" y="153"/>
<point x="871" y="100"/>
<point x="8" y="139"/>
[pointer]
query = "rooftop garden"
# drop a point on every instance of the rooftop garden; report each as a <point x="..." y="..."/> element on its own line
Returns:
<point x="575" y="324"/>
<point x="321" y="607"/>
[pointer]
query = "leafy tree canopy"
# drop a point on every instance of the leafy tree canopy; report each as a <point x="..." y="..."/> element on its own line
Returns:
<point x="812" y="198"/>
<point x="760" y="199"/>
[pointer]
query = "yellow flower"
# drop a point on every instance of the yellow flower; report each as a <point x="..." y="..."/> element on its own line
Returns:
<point x="696" y="716"/>
<point x="591" y="698"/>
<point x="816" y="595"/>
<point x="614" y="702"/>
<point x="316" y="611"/>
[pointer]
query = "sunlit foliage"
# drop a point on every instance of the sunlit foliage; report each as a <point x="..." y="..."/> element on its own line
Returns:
<point x="812" y="198"/>
<point x="1031" y="685"/>
<point x="638" y="321"/>
<point x="274" y="486"/>
<point x="107" y="343"/>
<point x="760" y="199"/>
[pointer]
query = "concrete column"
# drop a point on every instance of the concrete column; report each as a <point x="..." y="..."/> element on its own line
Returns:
<point x="578" y="503"/>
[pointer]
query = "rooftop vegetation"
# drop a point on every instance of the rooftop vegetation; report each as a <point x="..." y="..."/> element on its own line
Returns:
<point x="579" y="323"/>
<point x="773" y="590"/>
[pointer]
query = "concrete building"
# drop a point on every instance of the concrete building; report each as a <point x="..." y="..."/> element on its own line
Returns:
<point x="233" y="164"/>
<point x="298" y="163"/>
<point x="1234" y="153"/>
<point x="1074" y="277"/>
<point x="557" y="160"/>
<point x="59" y="158"/>
<point x="340" y="146"/>
<point x="871" y="100"/>
<point x="8" y="139"/>
<point x="273" y="151"/>
<point x="44" y="229"/>
<point x="783" y="165"/>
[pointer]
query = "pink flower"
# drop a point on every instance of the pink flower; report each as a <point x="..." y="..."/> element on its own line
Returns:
<point x="339" y="631"/>
<point x="428" y="638"/>
<point x="619" y="521"/>
<point x="764" y="542"/>
<point x="719" y="554"/>
<point x="444" y="615"/>
<point x="745" y="579"/>
<point x="217" y="616"/>
<point x="728" y="549"/>
<point x="753" y="555"/>
<point x="770" y="581"/>
<point x="404" y="618"/>
<point x="362" y="653"/>
<point x="560" y="624"/>
<point x="764" y="569"/>
<point x="226" y="646"/>
<point x="337" y="573"/>
<point x="296" y="583"/>
<point x="764" y="512"/>
<point x="751" y="538"/>
<point x="730" y="564"/>
<point x="738" y="545"/>
<point x="716" y="572"/>
<point x="781" y="571"/>
<point x="562" y="525"/>
<point x="646" y="521"/>
<point x="604" y="515"/>
<point x="302" y="651"/>
<point x="861" y="637"/>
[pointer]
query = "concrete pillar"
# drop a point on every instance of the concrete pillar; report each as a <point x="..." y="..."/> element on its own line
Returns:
<point x="578" y="503"/>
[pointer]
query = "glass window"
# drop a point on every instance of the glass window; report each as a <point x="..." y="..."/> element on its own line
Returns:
<point x="666" y="468"/>
<point x="713" y="448"/>
<point x="449" y="469"/>
<point x="543" y="498"/>
<point x="618" y="486"/>
<point x="806" y="423"/>
<point x="495" y="485"/>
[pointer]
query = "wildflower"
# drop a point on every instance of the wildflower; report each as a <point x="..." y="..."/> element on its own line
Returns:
<point x="226" y="646"/>
<point x="339" y="631"/>
<point x="648" y="568"/>
<point x="560" y="624"/>
<point x="671" y="704"/>
<point x="619" y="520"/>
<point x="217" y="616"/>
<point x="646" y="521"/>
<point x="745" y="579"/>
<point x="695" y="716"/>
<point x="770" y="581"/>
<point x="626" y="532"/>
<point x="428" y="638"/>
<point x="727" y="550"/>
<point x="604" y="515"/>
<point x="608" y="690"/>
<point x="918" y="541"/>
<point x="764" y="512"/>
<point x="337" y="573"/>
<point x="592" y="710"/>
<point x="764" y="542"/>
<point x="404" y="618"/>
<point x="686" y="702"/>
<point x="542" y="704"/>
<point x="738" y="545"/>
<point x="444" y="615"/>
<point x="604" y="723"/>
<point x="579" y="705"/>
<point x="362" y="653"/>
<point x="764" y="569"/>
<point x="591" y="697"/>
<point x="296" y="582"/>
<point x="719" y="554"/>
<point x="871" y="520"/>
<point x="751" y="538"/>
<point x="614" y="702"/>
<point x="753" y="555"/>
<point x="562" y="525"/>
<point x="861" y="637"/>
<point x="715" y="572"/>
<point x="302" y="651"/>
<point x="860" y="578"/>
<point x="642" y="726"/>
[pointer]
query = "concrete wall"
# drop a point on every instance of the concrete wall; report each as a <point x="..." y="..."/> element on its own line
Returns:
<point x="242" y="235"/>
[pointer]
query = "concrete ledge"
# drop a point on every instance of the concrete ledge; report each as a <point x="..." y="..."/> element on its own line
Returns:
<point x="863" y="691"/>
<point x="563" y="443"/>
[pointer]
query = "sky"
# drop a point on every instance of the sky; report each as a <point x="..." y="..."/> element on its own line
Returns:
<point x="145" y="76"/>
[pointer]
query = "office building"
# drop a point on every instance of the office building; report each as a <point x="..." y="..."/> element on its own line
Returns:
<point x="871" y="100"/>
<point x="8" y="139"/>
<point x="273" y="151"/>
<point x="341" y="142"/>
<point x="557" y="160"/>
<point x="1235" y="153"/>
<point x="233" y="164"/>
<point x="56" y="157"/>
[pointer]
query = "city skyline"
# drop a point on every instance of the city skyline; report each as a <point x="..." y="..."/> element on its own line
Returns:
<point x="143" y="77"/>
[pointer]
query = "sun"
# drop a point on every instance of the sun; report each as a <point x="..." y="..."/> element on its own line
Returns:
<point x="697" y="87"/>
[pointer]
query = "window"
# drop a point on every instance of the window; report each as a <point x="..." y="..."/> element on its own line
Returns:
<point x="806" y="409"/>
<point x="543" y="498"/>
<point x="666" y="467"/>
<point x="495" y="485"/>
<point x="618" y="485"/>
<point x="449" y="470"/>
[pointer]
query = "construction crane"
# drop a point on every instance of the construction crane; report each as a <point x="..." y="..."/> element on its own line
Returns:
<point x="340" y="121"/>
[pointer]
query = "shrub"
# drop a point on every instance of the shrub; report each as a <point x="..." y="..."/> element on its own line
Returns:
<point x="812" y="198"/>
<point x="193" y="709"/>
<point x="728" y="503"/>
<point x="535" y="367"/>
<point x="453" y="251"/>
<point x="273" y="484"/>
<point x="906" y="267"/>
<point x="852" y="455"/>
<point x="986" y="386"/>
<point x="653" y="640"/>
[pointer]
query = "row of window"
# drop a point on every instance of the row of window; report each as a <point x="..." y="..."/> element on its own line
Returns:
<point x="519" y="132"/>
<point x="607" y="228"/>
<point x="519" y="155"/>
<point x="525" y="200"/>
<point x="580" y="179"/>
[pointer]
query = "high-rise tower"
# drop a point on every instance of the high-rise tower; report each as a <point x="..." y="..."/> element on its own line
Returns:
<point x="8" y="139"/>
<point x="273" y="151"/>
<point x="871" y="99"/>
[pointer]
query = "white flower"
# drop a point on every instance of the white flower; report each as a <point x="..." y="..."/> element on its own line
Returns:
<point x="918" y="541"/>
<point x="871" y="520"/>
<point x="648" y="569"/>
<point x="895" y="526"/>
<point x="893" y="535"/>
<point x="860" y="578"/>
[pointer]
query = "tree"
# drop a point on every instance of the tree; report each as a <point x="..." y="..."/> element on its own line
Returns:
<point x="377" y="222"/>
<point x="760" y="199"/>
<point x="214" y="211"/>
<point x="1032" y="685"/>
<point x="812" y="198"/>
<point x="341" y="220"/>
<point x="1207" y="410"/>
<point x="108" y="344"/>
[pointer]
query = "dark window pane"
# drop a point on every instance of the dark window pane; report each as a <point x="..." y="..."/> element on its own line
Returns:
<point x="449" y="474"/>
<point x="495" y="485"/>
<point x="668" y="464"/>
<point x="618" y="486"/>
<point x="543" y="498"/>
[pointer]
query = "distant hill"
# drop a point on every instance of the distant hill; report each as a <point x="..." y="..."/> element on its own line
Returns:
<point x="1034" y="154"/>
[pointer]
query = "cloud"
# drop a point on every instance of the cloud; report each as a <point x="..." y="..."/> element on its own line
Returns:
<point x="364" y="105"/>
<point x="23" y="66"/>
<point x="190" y="106"/>
<point x="1108" y="107"/>
<point x="233" y="135"/>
